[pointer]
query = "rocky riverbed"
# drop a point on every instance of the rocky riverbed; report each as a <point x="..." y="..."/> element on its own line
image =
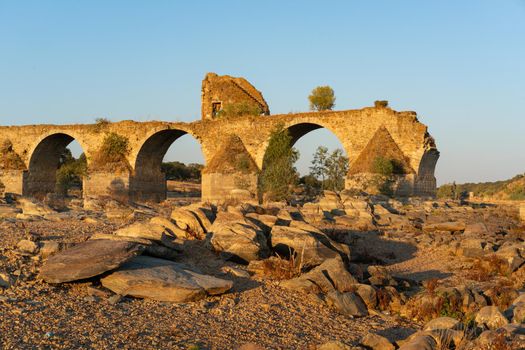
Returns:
<point x="346" y="272"/>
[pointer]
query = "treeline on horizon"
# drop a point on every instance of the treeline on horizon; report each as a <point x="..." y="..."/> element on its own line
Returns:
<point x="511" y="189"/>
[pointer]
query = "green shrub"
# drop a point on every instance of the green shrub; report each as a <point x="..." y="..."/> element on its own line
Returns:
<point x="381" y="104"/>
<point x="111" y="155"/>
<point x="322" y="98"/>
<point x="242" y="163"/>
<point x="70" y="173"/>
<point x="239" y="109"/>
<point x="101" y="124"/>
<point x="278" y="175"/>
<point x="9" y="159"/>
<point x="383" y="166"/>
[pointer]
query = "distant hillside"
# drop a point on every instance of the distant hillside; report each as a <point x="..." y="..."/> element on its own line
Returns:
<point x="513" y="189"/>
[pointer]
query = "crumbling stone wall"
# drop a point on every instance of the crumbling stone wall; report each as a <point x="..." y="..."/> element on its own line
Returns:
<point x="38" y="146"/>
<point x="219" y="92"/>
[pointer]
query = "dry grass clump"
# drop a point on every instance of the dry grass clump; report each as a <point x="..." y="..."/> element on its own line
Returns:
<point x="502" y="294"/>
<point x="278" y="268"/>
<point x="101" y="124"/>
<point x="431" y="285"/>
<point x="383" y="299"/>
<point x="111" y="156"/>
<point x="488" y="267"/>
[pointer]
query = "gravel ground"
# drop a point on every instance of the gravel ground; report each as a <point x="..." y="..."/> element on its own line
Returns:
<point x="36" y="315"/>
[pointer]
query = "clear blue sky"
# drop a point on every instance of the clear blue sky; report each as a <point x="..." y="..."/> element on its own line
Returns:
<point x="459" y="64"/>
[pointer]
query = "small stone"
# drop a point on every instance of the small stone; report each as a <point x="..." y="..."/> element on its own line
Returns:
<point x="441" y="323"/>
<point x="115" y="299"/>
<point x="27" y="246"/>
<point x="5" y="280"/>
<point x="347" y="303"/>
<point x="377" y="342"/>
<point x="333" y="345"/>
<point x="235" y="271"/>
<point x="491" y="317"/>
<point x="49" y="248"/>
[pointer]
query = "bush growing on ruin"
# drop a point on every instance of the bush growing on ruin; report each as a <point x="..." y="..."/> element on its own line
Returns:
<point x="239" y="109"/>
<point x="322" y="98"/>
<point x="385" y="168"/>
<point x="9" y="159"/>
<point x="101" y="124"/>
<point x="278" y="175"/>
<point x="111" y="156"/>
<point x="381" y="104"/>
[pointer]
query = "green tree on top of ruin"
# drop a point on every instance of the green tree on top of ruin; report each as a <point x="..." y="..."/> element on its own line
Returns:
<point x="322" y="98"/>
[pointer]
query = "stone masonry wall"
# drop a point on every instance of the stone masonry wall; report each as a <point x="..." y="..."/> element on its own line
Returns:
<point x="354" y="128"/>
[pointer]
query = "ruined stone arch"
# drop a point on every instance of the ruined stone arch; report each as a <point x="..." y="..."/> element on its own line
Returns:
<point x="43" y="161"/>
<point x="425" y="183"/>
<point x="148" y="182"/>
<point x="298" y="129"/>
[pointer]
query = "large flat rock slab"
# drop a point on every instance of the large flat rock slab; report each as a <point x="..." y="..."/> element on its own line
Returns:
<point x="163" y="280"/>
<point x="88" y="259"/>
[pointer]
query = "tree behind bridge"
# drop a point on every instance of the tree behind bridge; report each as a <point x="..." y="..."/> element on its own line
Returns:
<point x="279" y="176"/>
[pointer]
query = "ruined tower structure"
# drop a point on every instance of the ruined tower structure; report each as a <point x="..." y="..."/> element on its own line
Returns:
<point x="222" y="94"/>
<point x="234" y="134"/>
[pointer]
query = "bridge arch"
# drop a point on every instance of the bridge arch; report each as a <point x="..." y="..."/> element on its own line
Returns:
<point x="425" y="182"/>
<point x="297" y="130"/>
<point x="148" y="182"/>
<point x="44" y="161"/>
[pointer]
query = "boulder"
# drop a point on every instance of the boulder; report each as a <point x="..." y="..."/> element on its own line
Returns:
<point x="512" y="254"/>
<point x="451" y="226"/>
<point x="205" y="215"/>
<point x="380" y="276"/>
<point x="264" y="221"/>
<point x="420" y="342"/>
<point x="330" y="275"/>
<point x="442" y="323"/>
<point x="49" y="248"/>
<point x="472" y="247"/>
<point x="368" y="293"/>
<point x="310" y="245"/>
<point x="8" y="212"/>
<point x="27" y="246"/>
<point x="347" y="303"/>
<point x="333" y="345"/>
<point x="5" y="280"/>
<point x="476" y="229"/>
<point x="377" y="342"/>
<point x="87" y="259"/>
<point x="119" y="213"/>
<point x="149" y="231"/>
<point x="236" y="237"/>
<point x="34" y="209"/>
<point x="163" y="280"/>
<point x="150" y="247"/>
<point x="189" y="222"/>
<point x="169" y="225"/>
<point x="491" y="317"/>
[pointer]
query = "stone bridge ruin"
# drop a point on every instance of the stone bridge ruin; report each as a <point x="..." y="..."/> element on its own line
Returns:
<point x="29" y="155"/>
